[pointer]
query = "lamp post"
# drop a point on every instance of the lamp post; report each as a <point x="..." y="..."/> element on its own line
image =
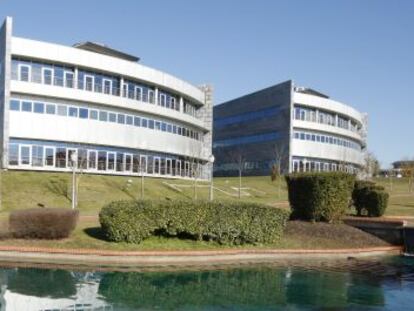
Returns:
<point x="142" y="181"/>
<point x="211" y="160"/>
<point x="74" y="160"/>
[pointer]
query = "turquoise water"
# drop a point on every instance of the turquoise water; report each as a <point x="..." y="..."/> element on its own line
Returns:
<point x="368" y="284"/>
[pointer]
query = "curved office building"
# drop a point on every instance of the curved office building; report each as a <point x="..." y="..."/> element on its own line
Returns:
<point x="300" y="128"/>
<point x="116" y="115"/>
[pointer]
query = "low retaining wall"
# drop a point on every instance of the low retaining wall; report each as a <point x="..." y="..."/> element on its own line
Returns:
<point x="177" y="258"/>
<point x="386" y="229"/>
<point x="409" y="240"/>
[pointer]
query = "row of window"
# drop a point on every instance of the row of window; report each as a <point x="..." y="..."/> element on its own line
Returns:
<point x="246" y="139"/>
<point x="326" y="139"/>
<point x="302" y="165"/>
<point x="102" y="115"/>
<point x="58" y="75"/>
<point x="314" y="115"/>
<point x="248" y="116"/>
<point x="98" y="159"/>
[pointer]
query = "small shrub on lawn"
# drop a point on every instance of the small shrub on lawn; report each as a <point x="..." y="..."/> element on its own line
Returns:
<point x="43" y="223"/>
<point x="224" y="222"/>
<point x="369" y="199"/>
<point x="323" y="196"/>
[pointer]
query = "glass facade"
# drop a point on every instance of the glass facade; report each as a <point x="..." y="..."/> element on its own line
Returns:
<point x="245" y="117"/>
<point x="326" y="139"/>
<point x="246" y="139"/>
<point x="100" y="159"/>
<point x="324" y="117"/>
<point x="58" y="75"/>
<point x="104" y="116"/>
<point x="300" y="164"/>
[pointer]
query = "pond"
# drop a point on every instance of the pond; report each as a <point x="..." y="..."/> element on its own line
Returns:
<point x="369" y="284"/>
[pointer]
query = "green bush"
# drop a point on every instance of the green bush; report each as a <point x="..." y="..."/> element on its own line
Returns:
<point x="43" y="223"/>
<point x="323" y="196"/>
<point x="224" y="222"/>
<point x="369" y="198"/>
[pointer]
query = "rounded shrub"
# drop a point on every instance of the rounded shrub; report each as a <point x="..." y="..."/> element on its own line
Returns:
<point x="43" y="223"/>
<point x="224" y="222"/>
<point x="369" y="198"/>
<point x="322" y="196"/>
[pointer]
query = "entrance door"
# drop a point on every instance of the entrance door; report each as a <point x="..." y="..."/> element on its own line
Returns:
<point x="25" y="155"/>
<point x="128" y="162"/>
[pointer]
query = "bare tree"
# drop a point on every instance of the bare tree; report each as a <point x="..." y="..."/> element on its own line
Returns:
<point x="371" y="165"/>
<point x="237" y="157"/>
<point x="280" y="152"/>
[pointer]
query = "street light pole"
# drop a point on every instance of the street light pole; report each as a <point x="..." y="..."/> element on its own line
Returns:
<point x="211" y="160"/>
<point x="142" y="182"/>
<point x="74" y="158"/>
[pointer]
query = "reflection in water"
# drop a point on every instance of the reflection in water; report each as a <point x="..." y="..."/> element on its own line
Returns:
<point x="324" y="285"/>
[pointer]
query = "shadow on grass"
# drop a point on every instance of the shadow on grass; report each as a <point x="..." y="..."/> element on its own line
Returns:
<point x="95" y="233"/>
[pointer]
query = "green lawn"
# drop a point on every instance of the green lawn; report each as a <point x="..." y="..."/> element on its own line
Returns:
<point x="28" y="189"/>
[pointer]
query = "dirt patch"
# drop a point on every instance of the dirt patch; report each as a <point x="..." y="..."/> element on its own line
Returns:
<point x="340" y="234"/>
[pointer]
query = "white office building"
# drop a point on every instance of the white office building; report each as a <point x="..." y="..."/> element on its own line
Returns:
<point x="116" y="115"/>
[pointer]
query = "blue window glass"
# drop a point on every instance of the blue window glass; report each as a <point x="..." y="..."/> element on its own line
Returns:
<point x="302" y="136"/>
<point x="50" y="109"/>
<point x="73" y="112"/>
<point x="220" y="122"/>
<point x="27" y="106"/>
<point x="93" y="114"/>
<point x="179" y="130"/>
<point x="39" y="108"/>
<point x="129" y="120"/>
<point x="151" y="124"/>
<point x="157" y="125"/>
<point x="164" y="126"/>
<point x="169" y="128"/>
<point x="103" y="116"/>
<point x="174" y="129"/>
<point x="83" y="113"/>
<point x="137" y="121"/>
<point x="14" y="105"/>
<point x="62" y="110"/>
<point x="144" y="122"/>
<point x="112" y="117"/>
<point x="121" y="118"/>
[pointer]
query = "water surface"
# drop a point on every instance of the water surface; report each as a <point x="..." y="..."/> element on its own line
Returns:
<point x="369" y="284"/>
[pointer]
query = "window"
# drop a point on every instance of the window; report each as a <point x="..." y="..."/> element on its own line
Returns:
<point x="91" y="159"/>
<point x="47" y="76"/>
<point x="49" y="156"/>
<point x="137" y="121"/>
<point x="37" y="155"/>
<point x="102" y="160"/>
<point x="68" y="79"/>
<point x="93" y="114"/>
<point x="157" y="125"/>
<point x="27" y="106"/>
<point x="151" y="124"/>
<point x="50" y="109"/>
<point x="88" y="82"/>
<point x="129" y="120"/>
<point x="151" y="96"/>
<point x="112" y="117"/>
<point x="73" y="112"/>
<point x="144" y="122"/>
<point x="14" y="105"/>
<point x="172" y="102"/>
<point x="163" y="126"/>
<point x="138" y="93"/>
<point x="24" y="73"/>
<point x="25" y="155"/>
<point x="169" y="128"/>
<point x="107" y="86"/>
<point x="162" y="100"/>
<point x="121" y="118"/>
<point x="13" y="154"/>
<point x="83" y="113"/>
<point x="103" y="116"/>
<point x="111" y="161"/>
<point x="39" y="108"/>
<point x="62" y="110"/>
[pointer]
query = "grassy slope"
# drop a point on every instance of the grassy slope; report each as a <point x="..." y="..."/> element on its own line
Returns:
<point x="27" y="189"/>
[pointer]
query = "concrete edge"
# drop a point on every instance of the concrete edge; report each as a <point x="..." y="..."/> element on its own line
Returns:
<point x="179" y="258"/>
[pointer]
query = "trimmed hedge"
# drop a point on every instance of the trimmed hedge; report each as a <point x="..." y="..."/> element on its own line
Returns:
<point x="322" y="196"/>
<point x="224" y="222"/>
<point x="369" y="198"/>
<point x="43" y="223"/>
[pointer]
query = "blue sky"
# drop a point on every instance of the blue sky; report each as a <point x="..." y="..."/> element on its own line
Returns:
<point x="358" y="52"/>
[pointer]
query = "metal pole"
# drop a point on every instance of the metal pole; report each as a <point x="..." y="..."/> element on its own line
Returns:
<point x="142" y="183"/>
<point x="73" y="186"/>
<point x="211" y="182"/>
